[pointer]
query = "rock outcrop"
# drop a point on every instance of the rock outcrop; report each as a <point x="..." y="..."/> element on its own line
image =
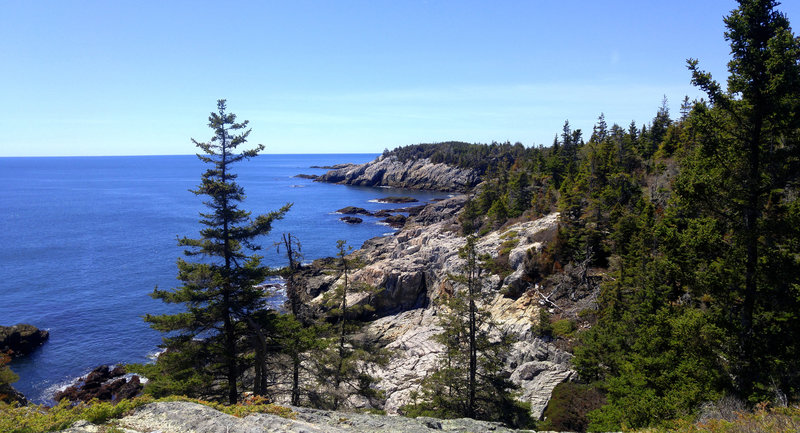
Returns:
<point x="103" y="384"/>
<point x="21" y="339"/>
<point x="395" y="221"/>
<point x="414" y="174"/>
<point x="413" y="268"/>
<point x="180" y="417"/>
<point x="351" y="220"/>
<point x="353" y="210"/>
<point x="8" y="394"/>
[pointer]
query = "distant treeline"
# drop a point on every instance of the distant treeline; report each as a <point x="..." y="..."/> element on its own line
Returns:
<point x="480" y="157"/>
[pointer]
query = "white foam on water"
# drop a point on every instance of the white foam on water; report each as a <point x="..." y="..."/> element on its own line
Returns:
<point x="153" y="355"/>
<point x="47" y="394"/>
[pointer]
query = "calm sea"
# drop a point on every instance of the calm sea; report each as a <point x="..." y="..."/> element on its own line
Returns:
<point x="84" y="240"/>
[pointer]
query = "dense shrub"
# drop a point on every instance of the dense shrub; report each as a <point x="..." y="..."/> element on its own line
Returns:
<point x="569" y="406"/>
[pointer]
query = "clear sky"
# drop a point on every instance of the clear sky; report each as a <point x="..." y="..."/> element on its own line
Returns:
<point x="140" y="77"/>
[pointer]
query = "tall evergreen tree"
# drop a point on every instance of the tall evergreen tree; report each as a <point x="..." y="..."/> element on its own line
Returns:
<point x="220" y="288"/>
<point x="744" y="176"/>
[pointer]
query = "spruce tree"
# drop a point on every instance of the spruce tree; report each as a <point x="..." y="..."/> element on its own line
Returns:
<point x="220" y="285"/>
<point x="743" y="180"/>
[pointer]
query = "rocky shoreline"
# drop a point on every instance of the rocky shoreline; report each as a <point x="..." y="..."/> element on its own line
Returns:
<point x="413" y="174"/>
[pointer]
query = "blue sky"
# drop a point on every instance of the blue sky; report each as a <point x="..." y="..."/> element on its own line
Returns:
<point x="140" y="77"/>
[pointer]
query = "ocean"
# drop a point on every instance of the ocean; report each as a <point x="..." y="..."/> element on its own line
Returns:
<point x="85" y="240"/>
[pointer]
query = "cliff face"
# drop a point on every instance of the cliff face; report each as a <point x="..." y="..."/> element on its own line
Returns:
<point x="415" y="174"/>
<point x="413" y="267"/>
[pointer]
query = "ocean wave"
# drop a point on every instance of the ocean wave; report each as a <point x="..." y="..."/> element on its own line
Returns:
<point x="49" y="391"/>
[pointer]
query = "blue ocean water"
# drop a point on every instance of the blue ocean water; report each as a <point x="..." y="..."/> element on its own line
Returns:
<point x="84" y="240"/>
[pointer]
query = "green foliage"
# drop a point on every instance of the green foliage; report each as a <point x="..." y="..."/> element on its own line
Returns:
<point x="178" y="372"/>
<point x="569" y="407"/>
<point x="543" y="328"/>
<point x="742" y="177"/>
<point x="704" y="276"/>
<point x="220" y="292"/>
<point x="761" y="420"/>
<point x="563" y="328"/>
<point x="7" y="376"/>
<point x="482" y="158"/>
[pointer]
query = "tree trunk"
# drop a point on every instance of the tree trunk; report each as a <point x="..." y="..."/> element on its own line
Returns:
<point x="473" y="350"/>
<point x="296" y="380"/>
<point x="751" y="217"/>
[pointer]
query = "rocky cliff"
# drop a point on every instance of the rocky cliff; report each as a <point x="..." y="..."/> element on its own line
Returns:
<point x="414" y="174"/>
<point x="413" y="266"/>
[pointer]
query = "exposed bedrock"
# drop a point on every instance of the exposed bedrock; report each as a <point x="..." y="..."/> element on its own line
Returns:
<point x="180" y="417"/>
<point x="413" y="268"/>
<point x="415" y="174"/>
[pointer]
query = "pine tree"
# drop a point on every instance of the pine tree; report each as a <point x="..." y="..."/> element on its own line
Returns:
<point x="297" y="334"/>
<point x="344" y="362"/>
<point x="743" y="177"/>
<point x="220" y="289"/>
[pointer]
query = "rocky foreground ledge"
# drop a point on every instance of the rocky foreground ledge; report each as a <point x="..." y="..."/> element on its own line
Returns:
<point x="414" y="174"/>
<point x="185" y="417"/>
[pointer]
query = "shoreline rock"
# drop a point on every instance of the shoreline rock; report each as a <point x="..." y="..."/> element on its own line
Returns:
<point x="351" y="220"/>
<point x="353" y="210"/>
<point x="103" y="384"/>
<point x="21" y="339"/>
<point x="396" y="221"/>
<point x="396" y="199"/>
<point x="334" y="166"/>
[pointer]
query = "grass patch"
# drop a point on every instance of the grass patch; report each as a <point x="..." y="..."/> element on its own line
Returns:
<point x="34" y="418"/>
<point x="762" y="420"/>
<point x="564" y="328"/>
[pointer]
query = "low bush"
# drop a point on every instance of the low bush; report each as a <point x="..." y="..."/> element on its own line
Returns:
<point x="569" y="407"/>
